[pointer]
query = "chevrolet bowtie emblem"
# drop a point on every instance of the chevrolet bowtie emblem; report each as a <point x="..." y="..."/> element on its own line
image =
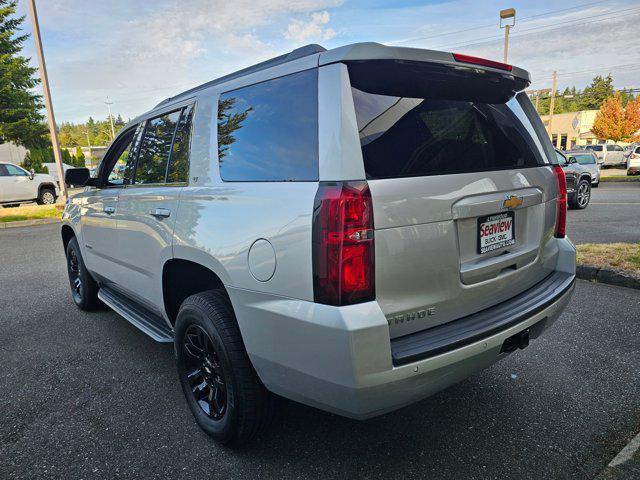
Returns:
<point x="512" y="202"/>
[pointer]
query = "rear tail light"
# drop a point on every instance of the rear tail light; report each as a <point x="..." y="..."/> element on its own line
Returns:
<point x="561" y="206"/>
<point x="459" y="57"/>
<point x="343" y="245"/>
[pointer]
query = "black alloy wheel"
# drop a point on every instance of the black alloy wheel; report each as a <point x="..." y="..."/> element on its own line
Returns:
<point x="204" y="372"/>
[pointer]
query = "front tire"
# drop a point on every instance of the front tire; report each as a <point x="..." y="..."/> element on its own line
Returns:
<point x="47" y="196"/>
<point x="221" y="387"/>
<point x="582" y="196"/>
<point x="84" y="288"/>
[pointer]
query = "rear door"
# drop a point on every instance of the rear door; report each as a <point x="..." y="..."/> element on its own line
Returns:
<point x="463" y="194"/>
<point x="147" y="208"/>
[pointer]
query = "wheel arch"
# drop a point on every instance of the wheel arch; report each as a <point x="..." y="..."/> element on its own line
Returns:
<point x="182" y="278"/>
<point x="47" y="185"/>
<point x="67" y="234"/>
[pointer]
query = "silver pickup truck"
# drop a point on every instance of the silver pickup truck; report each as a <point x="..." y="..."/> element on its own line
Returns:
<point x="354" y="229"/>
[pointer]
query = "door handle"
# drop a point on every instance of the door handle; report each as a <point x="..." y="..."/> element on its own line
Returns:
<point x="109" y="210"/>
<point x="160" y="213"/>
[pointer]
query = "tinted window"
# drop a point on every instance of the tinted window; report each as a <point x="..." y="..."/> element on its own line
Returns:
<point x="179" y="163"/>
<point x="153" y="156"/>
<point x="14" y="171"/>
<point x="404" y="137"/>
<point x="3" y="171"/>
<point x="595" y="148"/>
<point x="269" y="131"/>
<point x="585" y="159"/>
<point x="121" y="171"/>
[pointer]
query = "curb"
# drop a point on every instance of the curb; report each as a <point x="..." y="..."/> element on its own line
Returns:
<point x="605" y="275"/>
<point x="619" y="180"/>
<point x="28" y="223"/>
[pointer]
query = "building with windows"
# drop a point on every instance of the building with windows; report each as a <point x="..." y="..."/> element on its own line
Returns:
<point x="572" y="128"/>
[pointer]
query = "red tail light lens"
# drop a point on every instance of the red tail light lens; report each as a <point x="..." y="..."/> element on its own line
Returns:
<point x="561" y="207"/>
<point x="343" y="246"/>
<point x="481" y="61"/>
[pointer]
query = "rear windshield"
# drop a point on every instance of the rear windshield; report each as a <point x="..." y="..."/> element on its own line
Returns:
<point x="436" y="131"/>
<point x="408" y="136"/>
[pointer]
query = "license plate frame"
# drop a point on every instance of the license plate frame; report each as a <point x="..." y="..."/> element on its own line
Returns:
<point x="500" y="243"/>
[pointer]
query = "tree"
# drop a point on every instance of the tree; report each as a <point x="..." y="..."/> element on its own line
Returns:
<point x="20" y="118"/>
<point x="600" y="89"/>
<point x="36" y="157"/>
<point x="614" y="122"/>
<point x="79" y="158"/>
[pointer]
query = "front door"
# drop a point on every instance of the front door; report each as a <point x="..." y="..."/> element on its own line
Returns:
<point x="16" y="184"/>
<point x="147" y="208"/>
<point x="99" y="222"/>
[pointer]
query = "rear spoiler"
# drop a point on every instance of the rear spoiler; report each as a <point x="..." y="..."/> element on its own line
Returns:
<point x="376" y="51"/>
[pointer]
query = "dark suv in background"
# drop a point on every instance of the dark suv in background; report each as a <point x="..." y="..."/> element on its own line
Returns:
<point x="578" y="180"/>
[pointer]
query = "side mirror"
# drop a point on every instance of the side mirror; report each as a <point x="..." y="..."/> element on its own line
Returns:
<point x="32" y="173"/>
<point x="79" y="176"/>
<point x="573" y="160"/>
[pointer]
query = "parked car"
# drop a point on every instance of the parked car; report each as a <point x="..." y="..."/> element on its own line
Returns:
<point x="578" y="180"/>
<point x="20" y="186"/>
<point x="609" y="155"/>
<point x="633" y="161"/>
<point x="329" y="226"/>
<point x="589" y="161"/>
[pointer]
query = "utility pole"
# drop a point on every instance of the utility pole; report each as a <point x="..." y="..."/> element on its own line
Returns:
<point x="552" y="102"/>
<point x="113" y="132"/>
<point x="509" y="17"/>
<point x="47" y="97"/>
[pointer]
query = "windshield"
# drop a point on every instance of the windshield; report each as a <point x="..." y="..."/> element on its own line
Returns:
<point x="584" y="159"/>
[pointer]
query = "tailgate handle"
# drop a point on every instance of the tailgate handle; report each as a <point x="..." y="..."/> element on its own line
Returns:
<point x="160" y="213"/>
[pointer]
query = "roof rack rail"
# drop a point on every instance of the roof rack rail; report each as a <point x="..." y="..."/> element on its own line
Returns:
<point x="272" y="62"/>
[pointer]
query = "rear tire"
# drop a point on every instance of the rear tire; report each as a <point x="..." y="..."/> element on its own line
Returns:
<point x="84" y="289"/>
<point x="47" y="196"/>
<point x="581" y="198"/>
<point x="221" y="387"/>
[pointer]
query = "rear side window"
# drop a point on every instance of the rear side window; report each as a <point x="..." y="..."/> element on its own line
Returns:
<point x="3" y="171"/>
<point x="163" y="155"/>
<point x="153" y="157"/>
<point x="405" y="137"/>
<point x="269" y="131"/>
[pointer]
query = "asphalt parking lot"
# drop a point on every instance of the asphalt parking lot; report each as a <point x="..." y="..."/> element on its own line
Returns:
<point x="613" y="215"/>
<point x="88" y="396"/>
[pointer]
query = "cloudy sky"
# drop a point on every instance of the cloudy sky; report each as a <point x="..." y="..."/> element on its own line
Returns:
<point x="139" y="52"/>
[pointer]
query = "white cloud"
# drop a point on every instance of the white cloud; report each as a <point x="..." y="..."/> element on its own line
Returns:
<point x="300" y="31"/>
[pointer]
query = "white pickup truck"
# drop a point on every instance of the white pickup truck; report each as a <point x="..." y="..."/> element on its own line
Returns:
<point x="17" y="186"/>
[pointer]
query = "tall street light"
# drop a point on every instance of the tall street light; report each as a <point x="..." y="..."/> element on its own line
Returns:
<point x="507" y="20"/>
<point x="47" y="96"/>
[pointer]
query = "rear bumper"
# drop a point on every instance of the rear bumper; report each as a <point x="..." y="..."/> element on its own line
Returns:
<point x="342" y="359"/>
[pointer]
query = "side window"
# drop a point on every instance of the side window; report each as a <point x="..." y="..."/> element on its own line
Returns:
<point x="269" y="131"/>
<point x="14" y="171"/>
<point x="178" y="171"/>
<point x="153" y="156"/>
<point x="3" y="171"/>
<point x="618" y="148"/>
<point x="122" y="161"/>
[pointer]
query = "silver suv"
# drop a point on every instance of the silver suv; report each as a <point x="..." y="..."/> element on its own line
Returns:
<point x="353" y="229"/>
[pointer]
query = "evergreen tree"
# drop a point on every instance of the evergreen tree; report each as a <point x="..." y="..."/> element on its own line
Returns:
<point x="36" y="157"/>
<point x="79" y="159"/>
<point x="597" y="92"/>
<point x="20" y="117"/>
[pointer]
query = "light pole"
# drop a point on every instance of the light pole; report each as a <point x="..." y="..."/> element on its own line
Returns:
<point x="507" y="20"/>
<point x="113" y="132"/>
<point x="47" y="97"/>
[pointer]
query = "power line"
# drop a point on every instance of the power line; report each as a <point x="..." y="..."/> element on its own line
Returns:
<point x="544" y="28"/>
<point x="521" y="20"/>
